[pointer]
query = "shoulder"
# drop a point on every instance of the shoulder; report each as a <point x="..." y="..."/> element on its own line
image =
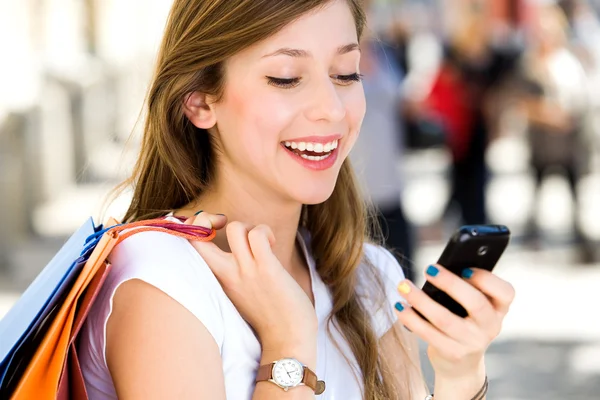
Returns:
<point x="160" y="255"/>
<point x="173" y="266"/>
<point x="383" y="261"/>
<point x="169" y="264"/>
<point x="176" y="280"/>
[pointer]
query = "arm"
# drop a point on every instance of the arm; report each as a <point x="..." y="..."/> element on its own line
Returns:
<point x="157" y="349"/>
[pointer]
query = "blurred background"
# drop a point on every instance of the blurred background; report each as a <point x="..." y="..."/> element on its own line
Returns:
<point x="479" y="111"/>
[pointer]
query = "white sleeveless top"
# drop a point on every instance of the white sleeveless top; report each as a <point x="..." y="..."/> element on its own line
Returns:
<point x="172" y="265"/>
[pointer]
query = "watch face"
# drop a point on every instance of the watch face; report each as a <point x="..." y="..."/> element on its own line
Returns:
<point x="288" y="372"/>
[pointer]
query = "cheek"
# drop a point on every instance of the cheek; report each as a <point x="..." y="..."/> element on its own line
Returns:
<point x="259" y="120"/>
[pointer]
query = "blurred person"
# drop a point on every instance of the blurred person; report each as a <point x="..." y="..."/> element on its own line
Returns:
<point x="380" y="148"/>
<point x="471" y="70"/>
<point x="399" y="35"/>
<point x="252" y="112"/>
<point x="555" y="101"/>
<point x="583" y="32"/>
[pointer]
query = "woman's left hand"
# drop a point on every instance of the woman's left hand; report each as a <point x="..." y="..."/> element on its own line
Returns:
<point x="457" y="345"/>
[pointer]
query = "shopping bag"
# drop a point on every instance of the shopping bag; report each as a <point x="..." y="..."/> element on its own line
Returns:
<point x="40" y="360"/>
<point x="25" y="319"/>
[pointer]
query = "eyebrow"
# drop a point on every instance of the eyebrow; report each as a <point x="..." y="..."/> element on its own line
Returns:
<point x="286" y="51"/>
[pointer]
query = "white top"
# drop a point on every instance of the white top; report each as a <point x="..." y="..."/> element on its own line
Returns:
<point x="172" y="265"/>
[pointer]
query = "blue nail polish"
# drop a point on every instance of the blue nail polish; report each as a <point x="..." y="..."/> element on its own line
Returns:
<point x="399" y="307"/>
<point x="467" y="273"/>
<point x="198" y="213"/>
<point x="432" y="271"/>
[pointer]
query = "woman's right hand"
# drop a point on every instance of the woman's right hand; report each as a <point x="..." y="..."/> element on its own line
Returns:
<point x="261" y="289"/>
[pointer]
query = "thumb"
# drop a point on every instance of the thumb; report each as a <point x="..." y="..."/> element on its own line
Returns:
<point x="218" y="260"/>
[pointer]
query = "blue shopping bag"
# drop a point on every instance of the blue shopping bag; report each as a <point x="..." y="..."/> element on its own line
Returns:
<point x="42" y="296"/>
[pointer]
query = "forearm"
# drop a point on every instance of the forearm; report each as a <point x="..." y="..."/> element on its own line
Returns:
<point x="306" y="354"/>
<point x="460" y="388"/>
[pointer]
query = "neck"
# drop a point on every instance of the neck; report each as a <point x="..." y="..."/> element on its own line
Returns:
<point x="253" y="205"/>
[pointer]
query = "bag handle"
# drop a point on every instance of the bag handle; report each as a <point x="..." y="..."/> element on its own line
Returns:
<point x="190" y="232"/>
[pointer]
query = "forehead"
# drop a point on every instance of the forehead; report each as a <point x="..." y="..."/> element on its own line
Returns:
<point x="320" y="32"/>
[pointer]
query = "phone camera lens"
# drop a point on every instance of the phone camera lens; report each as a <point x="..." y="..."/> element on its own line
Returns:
<point x="474" y="232"/>
<point x="482" y="251"/>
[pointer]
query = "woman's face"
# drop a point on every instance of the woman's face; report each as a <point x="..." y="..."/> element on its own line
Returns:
<point x="292" y="108"/>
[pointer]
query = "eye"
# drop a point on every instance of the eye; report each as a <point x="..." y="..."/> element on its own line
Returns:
<point x="284" y="83"/>
<point x="348" y="79"/>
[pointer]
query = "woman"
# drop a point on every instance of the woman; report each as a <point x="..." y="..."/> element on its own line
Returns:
<point x="253" y="110"/>
<point x="555" y="108"/>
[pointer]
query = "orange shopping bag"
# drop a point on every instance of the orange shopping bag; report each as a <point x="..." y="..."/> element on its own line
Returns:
<point x="53" y="372"/>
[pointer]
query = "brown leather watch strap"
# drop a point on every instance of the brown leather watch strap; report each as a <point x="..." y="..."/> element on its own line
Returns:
<point x="265" y="373"/>
<point x="310" y="380"/>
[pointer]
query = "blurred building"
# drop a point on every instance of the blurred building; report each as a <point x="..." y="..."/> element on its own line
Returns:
<point x="72" y="84"/>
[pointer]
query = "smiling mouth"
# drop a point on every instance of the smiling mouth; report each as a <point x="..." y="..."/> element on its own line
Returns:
<point x="311" y="150"/>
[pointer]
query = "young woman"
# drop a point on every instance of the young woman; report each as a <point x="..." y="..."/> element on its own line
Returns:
<point x="253" y="110"/>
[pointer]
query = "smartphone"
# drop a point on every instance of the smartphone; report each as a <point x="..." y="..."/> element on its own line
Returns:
<point x="471" y="246"/>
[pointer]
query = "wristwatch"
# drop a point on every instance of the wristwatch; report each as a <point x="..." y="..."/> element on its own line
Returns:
<point x="288" y="373"/>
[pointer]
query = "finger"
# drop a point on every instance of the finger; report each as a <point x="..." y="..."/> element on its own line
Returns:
<point x="478" y="306"/>
<point x="237" y="236"/>
<point x="207" y="220"/>
<point x="217" y="260"/>
<point x="445" y="321"/>
<point x="261" y="240"/>
<point x="500" y="292"/>
<point x="425" y="330"/>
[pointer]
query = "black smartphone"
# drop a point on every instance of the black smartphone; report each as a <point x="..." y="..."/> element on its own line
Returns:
<point x="471" y="246"/>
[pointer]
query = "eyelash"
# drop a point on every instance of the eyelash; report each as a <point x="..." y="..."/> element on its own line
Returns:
<point x="293" y="82"/>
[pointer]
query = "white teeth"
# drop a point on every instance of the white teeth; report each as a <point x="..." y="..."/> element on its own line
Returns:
<point x="315" y="158"/>
<point x="314" y="147"/>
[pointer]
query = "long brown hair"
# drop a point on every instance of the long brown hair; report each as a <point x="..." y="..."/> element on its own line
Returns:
<point x="176" y="164"/>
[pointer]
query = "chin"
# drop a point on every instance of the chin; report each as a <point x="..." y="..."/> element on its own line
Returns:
<point x="316" y="193"/>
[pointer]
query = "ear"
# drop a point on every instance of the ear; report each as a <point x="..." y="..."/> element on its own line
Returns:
<point x="200" y="110"/>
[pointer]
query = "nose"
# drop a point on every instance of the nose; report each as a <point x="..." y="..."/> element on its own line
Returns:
<point x="326" y="103"/>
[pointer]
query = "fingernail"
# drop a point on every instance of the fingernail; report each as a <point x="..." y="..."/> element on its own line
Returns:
<point x="467" y="273"/>
<point x="198" y="213"/>
<point x="222" y="215"/>
<point x="432" y="271"/>
<point x="404" y="288"/>
<point x="399" y="307"/>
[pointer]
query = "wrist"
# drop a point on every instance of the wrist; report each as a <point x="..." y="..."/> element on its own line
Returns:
<point x="459" y="387"/>
<point x="305" y="352"/>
